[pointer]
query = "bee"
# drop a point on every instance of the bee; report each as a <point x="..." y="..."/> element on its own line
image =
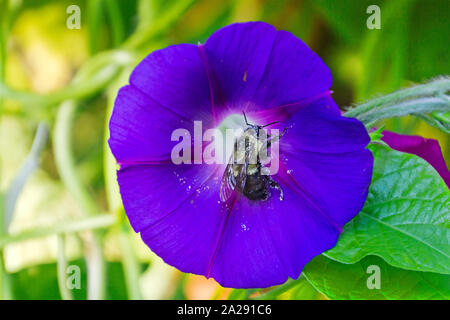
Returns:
<point x="245" y="173"/>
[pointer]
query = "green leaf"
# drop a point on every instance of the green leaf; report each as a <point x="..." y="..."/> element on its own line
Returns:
<point x="302" y="290"/>
<point x="405" y="219"/>
<point x="350" y="281"/>
<point x="299" y="289"/>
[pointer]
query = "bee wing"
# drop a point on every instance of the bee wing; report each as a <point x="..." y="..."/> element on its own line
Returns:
<point x="227" y="184"/>
<point x="229" y="180"/>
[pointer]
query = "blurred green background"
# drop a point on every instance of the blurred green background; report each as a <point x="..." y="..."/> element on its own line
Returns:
<point x="66" y="79"/>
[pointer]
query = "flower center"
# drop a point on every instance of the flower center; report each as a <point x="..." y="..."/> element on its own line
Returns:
<point x="245" y="172"/>
<point x="231" y="128"/>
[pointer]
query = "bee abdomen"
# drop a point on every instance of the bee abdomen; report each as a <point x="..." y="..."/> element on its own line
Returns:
<point x="256" y="188"/>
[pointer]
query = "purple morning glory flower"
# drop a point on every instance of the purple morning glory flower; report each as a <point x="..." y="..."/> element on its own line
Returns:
<point x="428" y="149"/>
<point x="324" y="166"/>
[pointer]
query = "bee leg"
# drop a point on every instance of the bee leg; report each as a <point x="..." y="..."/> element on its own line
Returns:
<point x="272" y="138"/>
<point x="278" y="137"/>
<point x="275" y="185"/>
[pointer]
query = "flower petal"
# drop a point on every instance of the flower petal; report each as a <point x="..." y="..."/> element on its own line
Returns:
<point x="326" y="157"/>
<point x="236" y="56"/>
<point x="292" y="74"/>
<point x="264" y="243"/>
<point x="319" y="127"/>
<point x="141" y="129"/>
<point x="337" y="183"/>
<point x="253" y="66"/>
<point x="150" y="192"/>
<point x="427" y="149"/>
<point x="175" y="78"/>
<point x="185" y="238"/>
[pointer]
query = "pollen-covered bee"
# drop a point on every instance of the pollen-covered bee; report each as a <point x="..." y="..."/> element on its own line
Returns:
<point x="244" y="172"/>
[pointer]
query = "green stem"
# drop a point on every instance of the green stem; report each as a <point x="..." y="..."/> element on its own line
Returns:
<point x="96" y="74"/>
<point x="418" y="100"/>
<point x="64" y="157"/>
<point x="432" y="88"/>
<point x="27" y="168"/>
<point x="272" y="294"/>
<point x="82" y="90"/>
<point x="422" y="105"/>
<point x="67" y="170"/>
<point x="66" y="294"/>
<point x="443" y="117"/>
<point x="130" y="266"/>
<point x="435" y="122"/>
<point x="100" y="221"/>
